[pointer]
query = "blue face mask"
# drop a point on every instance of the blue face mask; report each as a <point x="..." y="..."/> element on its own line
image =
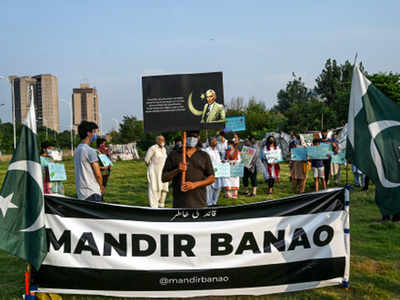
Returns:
<point x="94" y="138"/>
<point x="191" y="142"/>
<point x="229" y="147"/>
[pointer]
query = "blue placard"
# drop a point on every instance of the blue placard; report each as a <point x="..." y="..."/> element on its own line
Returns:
<point x="319" y="152"/>
<point x="339" y="158"/>
<point x="221" y="170"/>
<point x="237" y="123"/>
<point x="237" y="170"/>
<point x="57" y="172"/>
<point x="298" y="154"/>
<point x="105" y="160"/>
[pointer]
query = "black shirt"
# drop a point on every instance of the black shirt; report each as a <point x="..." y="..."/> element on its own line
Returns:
<point x="199" y="167"/>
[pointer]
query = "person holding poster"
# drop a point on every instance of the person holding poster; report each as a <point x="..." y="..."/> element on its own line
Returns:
<point x="105" y="170"/>
<point x="155" y="159"/>
<point x="232" y="184"/>
<point x="213" y="190"/>
<point x="199" y="174"/>
<point x="335" y="167"/>
<point x="299" y="173"/>
<point x="49" y="187"/>
<point x="213" y="112"/>
<point x="317" y="167"/>
<point x="272" y="169"/>
<point x="250" y="171"/>
<point x="294" y="141"/>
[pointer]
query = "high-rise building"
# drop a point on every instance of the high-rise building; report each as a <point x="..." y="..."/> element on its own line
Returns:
<point x="85" y="103"/>
<point x="45" y="92"/>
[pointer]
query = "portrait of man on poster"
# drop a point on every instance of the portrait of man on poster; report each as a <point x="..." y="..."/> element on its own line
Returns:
<point x="213" y="112"/>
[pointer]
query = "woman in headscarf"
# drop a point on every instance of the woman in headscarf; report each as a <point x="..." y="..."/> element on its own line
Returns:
<point x="232" y="184"/>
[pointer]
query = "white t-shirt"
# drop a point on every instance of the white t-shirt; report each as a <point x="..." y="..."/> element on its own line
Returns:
<point x="85" y="179"/>
<point x="221" y="147"/>
<point x="214" y="155"/>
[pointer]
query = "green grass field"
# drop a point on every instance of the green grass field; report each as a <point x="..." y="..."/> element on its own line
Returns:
<point x="375" y="247"/>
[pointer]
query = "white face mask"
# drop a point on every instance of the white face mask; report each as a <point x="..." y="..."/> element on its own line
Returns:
<point x="162" y="144"/>
<point x="191" y="142"/>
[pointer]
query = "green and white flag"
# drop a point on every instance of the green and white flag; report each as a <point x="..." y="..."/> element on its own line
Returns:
<point x="22" y="218"/>
<point x="373" y="140"/>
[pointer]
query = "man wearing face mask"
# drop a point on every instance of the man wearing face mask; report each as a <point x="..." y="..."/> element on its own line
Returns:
<point x="199" y="174"/>
<point x="155" y="159"/>
<point x="88" y="179"/>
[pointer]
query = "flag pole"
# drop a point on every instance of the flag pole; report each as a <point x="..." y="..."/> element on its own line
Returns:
<point x="183" y="157"/>
<point x="355" y="60"/>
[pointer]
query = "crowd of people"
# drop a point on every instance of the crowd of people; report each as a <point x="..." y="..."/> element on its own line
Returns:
<point x="202" y="184"/>
<point x="200" y="188"/>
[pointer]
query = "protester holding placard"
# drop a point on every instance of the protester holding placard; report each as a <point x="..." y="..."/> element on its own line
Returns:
<point x="299" y="170"/>
<point x="49" y="186"/>
<point x="213" y="190"/>
<point x="88" y="179"/>
<point x="250" y="170"/>
<point x="335" y="167"/>
<point x="155" y="159"/>
<point x="317" y="167"/>
<point x="105" y="170"/>
<point x="199" y="174"/>
<point x="272" y="168"/>
<point x="294" y="141"/>
<point x="232" y="184"/>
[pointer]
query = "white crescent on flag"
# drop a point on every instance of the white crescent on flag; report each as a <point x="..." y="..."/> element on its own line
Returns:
<point x="376" y="128"/>
<point x="35" y="170"/>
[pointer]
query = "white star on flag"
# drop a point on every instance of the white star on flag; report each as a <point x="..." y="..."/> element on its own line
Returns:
<point x="5" y="203"/>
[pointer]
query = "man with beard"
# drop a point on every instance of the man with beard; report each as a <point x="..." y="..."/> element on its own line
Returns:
<point x="199" y="174"/>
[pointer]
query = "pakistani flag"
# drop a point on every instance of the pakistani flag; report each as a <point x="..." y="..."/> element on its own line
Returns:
<point x="373" y="141"/>
<point x="22" y="218"/>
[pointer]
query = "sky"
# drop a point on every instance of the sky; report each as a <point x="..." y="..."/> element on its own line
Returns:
<point x="256" y="44"/>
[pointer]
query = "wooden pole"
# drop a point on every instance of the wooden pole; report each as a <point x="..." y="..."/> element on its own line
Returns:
<point x="183" y="157"/>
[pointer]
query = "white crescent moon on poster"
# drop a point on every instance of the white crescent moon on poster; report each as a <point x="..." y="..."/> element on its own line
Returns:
<point x="35" y="170"/>
<point x="192" y="109"/>
<point x="376" y="128"/>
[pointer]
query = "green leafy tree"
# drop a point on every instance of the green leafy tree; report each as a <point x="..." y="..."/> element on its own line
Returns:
<point x="131" y="130"/>
<point x="295" y="91"/>
<point x="387" y="83"/>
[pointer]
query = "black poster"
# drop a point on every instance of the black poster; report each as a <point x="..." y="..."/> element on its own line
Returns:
<point x="183" y="102"/>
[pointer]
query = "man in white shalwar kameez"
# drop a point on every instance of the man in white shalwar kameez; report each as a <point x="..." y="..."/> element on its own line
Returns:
<point x="213" y="190"/>
<point x="155" y="159"/>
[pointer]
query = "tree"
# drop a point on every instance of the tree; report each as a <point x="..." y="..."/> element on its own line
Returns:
<point x="131" y="130"/>
<point x="295" y="91"/>
<point x="387" y="83"/>
<point x="333" y="85"/>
